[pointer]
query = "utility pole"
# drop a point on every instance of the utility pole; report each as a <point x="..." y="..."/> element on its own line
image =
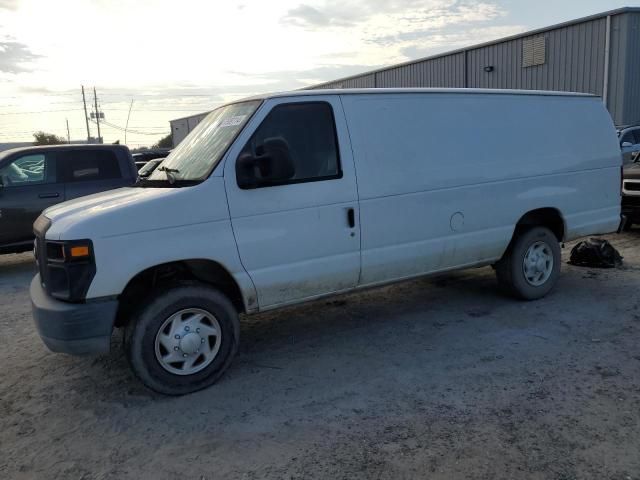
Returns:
<point x="86" y="115"/>
<point x="95" y="99"/>
<point x="68" y="134"/>
<point x="127" y="125"/>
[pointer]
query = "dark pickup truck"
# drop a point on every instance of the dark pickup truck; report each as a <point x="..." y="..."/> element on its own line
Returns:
<point x="34" y="178"/>
<point x="631" y="193"/>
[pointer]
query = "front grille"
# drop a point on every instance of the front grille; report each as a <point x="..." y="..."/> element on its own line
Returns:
<point x="55" y="251"/>
<point x="630" y="201"/>
<point x="632" y="186"/>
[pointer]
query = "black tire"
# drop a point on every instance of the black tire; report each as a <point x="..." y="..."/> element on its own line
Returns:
<point x="510" y="270"/>
<point x="144" y="324"/>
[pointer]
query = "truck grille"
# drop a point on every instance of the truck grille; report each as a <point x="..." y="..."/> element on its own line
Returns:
<point x="631" y="202"/>
<point x="631" y="187"/>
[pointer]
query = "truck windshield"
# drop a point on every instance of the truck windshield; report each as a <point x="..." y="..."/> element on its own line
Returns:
<point x="196" y="156"/>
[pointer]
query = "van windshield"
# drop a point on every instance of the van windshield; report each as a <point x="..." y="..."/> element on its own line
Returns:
<point x="196" y="156"/>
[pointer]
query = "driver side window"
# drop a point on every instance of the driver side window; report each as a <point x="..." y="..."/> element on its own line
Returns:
<point x="28" y="169"/>
<point x="308" y="131"/>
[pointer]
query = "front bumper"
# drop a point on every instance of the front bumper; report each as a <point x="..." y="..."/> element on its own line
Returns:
<point x="74" y="328"/>
<point x="631" y="207"/>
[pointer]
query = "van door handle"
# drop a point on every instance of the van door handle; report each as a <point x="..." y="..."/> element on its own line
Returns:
<point x="351" y="217"/>
<point x="49" y="195"/>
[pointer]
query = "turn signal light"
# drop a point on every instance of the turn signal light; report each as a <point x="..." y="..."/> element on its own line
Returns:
<point x="79" y="251"/>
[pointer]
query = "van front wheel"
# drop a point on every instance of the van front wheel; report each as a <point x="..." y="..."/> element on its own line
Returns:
<point x="182" y="339"/>
<point x="530" y="267"/>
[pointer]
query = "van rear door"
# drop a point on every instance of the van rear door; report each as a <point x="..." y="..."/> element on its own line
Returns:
<point x="298" y="238"/>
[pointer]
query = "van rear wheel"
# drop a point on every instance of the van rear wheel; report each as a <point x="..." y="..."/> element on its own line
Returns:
<point x="530" y="267"/>
<point x="182" y="339"/>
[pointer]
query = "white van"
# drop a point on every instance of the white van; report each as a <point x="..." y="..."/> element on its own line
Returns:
<point x="286" y="198"/>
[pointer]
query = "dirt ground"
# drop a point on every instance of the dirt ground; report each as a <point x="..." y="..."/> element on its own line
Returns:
<point x="439" y="378"/>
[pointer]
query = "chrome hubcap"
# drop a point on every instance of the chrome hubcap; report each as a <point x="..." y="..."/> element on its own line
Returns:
<point x="188" y="341"/>
<point x="538" y="264"/>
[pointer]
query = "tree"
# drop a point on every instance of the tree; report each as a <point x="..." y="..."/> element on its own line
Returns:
<point x="164" y="142"/>
<point x="43" y="138"/>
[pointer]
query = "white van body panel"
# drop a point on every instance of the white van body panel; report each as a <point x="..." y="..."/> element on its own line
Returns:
<point x="443" y="178"/>
<point x="133" y="229"/>
<point x="294" y="240"/>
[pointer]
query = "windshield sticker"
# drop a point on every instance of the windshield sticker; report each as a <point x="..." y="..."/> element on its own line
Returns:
<point x="232" y="121"/>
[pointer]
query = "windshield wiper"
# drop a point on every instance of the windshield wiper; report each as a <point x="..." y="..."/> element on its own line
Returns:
<point x="169" y="172"/>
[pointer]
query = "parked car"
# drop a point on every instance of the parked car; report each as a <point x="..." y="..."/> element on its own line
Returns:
<point x="629" y="143"/>
<point x="287" y="198"/>
<point x="142" y="158"/>
<point x="631" y="193"/>
<point x="34" y="178"/>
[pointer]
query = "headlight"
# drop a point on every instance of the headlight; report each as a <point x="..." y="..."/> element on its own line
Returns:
<point x="70" y="268"/>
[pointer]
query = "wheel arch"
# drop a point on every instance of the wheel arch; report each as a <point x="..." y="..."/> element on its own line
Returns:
<point x="549" y="217"/>
<point x="195" y="270"/>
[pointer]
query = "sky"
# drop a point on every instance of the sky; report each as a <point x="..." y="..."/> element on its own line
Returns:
<point x="174" y="59"/>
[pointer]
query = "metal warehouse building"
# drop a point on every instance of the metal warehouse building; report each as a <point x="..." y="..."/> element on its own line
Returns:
<point x="180" y="127"/>
<point x="599" y="54"/>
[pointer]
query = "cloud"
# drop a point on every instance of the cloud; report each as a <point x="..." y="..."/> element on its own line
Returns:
<point x="431" y="45"/>
<point x="331" y="14"/>
<point x="419" y="26"/>
<point x="8" y="4"/>
<point x="335" y="13"/>
<point x="390" y="31"/>
<point x="14" y="56"/>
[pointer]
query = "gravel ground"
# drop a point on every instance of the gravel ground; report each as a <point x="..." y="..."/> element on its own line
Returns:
<point x="439" y="378"/>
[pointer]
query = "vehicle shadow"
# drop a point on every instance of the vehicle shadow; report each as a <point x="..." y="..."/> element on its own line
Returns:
<point x="277" y="341"/>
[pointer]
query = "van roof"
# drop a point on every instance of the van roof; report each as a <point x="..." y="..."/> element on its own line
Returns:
<point x="380" y="91"/>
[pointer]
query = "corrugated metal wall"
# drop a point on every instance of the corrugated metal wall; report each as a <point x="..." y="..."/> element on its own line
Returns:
<point x="575" y="61"/>
<point x="624" y="65"/>
<point x="444" y="72"/>
<point x="361" y="81"/>
<point x="617" y="60"/>
<point x="631" y="109"/>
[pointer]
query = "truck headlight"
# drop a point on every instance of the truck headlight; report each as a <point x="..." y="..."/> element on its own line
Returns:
<point x="69" y="269"/>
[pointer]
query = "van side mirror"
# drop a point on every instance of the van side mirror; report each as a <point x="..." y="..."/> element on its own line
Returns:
<point x="271" y="165"/>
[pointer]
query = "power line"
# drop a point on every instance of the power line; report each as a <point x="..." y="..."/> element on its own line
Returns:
<point x="41" y="111"/>
<point x="86" y="116"/>
<point x="160" y="94"/>
<point x="9" y="133"/>
<point x="48" y="103"/>
<point x="98" y="113"/>
<point x="133" y="132"/>
<point x="40" y="95"/>
<point x="200" y="110"/>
